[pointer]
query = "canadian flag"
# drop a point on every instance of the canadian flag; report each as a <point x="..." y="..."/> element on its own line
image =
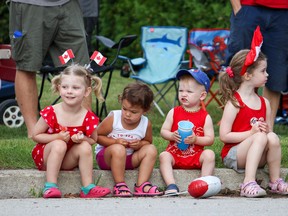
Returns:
<point x="66" y="56"/>
<point x="98" y="58"/>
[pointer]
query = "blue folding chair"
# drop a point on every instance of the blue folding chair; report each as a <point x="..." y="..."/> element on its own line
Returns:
<point x="163" y="47"/>
<point x="208" y="52"/>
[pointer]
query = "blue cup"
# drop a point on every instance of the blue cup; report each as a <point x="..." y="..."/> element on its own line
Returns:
<point x="184" y="130"/>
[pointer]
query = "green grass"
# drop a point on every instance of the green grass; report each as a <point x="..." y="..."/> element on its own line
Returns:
<point x="15" y="148"/>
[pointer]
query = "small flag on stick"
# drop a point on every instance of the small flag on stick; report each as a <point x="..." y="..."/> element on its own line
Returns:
<point x="66" y="56"/>
<point x="98" y="58"/>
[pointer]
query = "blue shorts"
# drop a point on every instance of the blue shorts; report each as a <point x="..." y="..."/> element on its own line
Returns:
<point x="103" y="166"/>
<point x="274" y="28"/>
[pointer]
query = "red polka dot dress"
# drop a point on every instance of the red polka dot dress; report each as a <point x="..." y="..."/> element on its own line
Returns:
<point x="48" y="114"/>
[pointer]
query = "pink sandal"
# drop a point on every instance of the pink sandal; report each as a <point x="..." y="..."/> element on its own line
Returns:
<point x="121" y="190"/>
<point x="52" y="193"/>
<point x="96" y="192"/>
<point x="153" y="190"/>
<point x="279" y="187"/>
<point x="251" y="190"/>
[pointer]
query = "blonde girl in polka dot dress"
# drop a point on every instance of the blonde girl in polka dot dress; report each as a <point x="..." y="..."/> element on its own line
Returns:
<point x="66" y="132"/>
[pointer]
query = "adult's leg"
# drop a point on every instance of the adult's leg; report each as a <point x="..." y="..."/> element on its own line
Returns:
<point x="275" y="47"/>
<point x="27" y="98"/>
<point x="274" y="99"/>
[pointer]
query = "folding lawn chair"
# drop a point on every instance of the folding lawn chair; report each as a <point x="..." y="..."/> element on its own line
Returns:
<point x="163" y="47"/>
<point x="208" y="52"/>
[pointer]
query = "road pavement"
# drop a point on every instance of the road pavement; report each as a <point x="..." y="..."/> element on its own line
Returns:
<point x="186" y="205"/>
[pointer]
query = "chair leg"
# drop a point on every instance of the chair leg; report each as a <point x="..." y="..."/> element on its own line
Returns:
<point x="158" y="107"/>
<point x="213" y="97"/>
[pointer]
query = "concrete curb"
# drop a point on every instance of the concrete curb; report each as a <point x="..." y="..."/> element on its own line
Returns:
<point x="29" y="183"/>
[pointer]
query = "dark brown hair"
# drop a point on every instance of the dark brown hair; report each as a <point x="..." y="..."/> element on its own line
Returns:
<point x="138" y="94"/>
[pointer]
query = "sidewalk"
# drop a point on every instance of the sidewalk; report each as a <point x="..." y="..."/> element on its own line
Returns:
<point x="29" y="183"/>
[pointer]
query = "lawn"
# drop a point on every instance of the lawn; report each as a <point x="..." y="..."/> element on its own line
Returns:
<point x="15" y="148"/>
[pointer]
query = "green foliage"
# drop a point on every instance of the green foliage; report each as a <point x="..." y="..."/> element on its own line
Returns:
<point x="120" y="18"/>
<point x="4" y="23"/>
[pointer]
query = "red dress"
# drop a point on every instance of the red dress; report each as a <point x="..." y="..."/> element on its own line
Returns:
<point x="187" y="159"/>
<point x="48" y="114"/>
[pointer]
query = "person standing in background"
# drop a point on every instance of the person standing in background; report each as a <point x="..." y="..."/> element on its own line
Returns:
<point x="90" y="15"/>
<point x="37" y="27"/>
<point x="272" y="17"/>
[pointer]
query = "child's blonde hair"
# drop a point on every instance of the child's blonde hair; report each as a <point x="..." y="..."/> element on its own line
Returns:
<point x="138" y="94"/>
<point x="90" y="80"/>
<point x="230" y="83"/>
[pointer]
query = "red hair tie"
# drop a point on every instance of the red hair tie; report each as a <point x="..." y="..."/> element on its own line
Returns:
<point x="253" y="54"/>
<point x="229" y="72"/>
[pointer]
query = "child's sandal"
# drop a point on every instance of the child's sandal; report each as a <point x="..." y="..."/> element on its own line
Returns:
<point x="251" y="190"/>
<point x="172" y="190"/>
<point x="279" y="187"/>
<point x="152" y="191"/>
<point x="121" y="190"/>
<point x="52" y="193"/>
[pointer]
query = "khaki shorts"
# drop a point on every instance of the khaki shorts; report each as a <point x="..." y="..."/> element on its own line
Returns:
<point x="230" y="160"/>
<point x="46" y="29"/>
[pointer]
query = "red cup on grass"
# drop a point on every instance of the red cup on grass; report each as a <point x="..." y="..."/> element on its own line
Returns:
<point x="185" y="129"/>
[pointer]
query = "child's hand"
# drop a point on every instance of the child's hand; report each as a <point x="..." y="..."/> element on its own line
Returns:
<point x="123" y="142"/>
<point x="134" y="144"/>
<point x="190" y="140"/>
<point x="64" y="135"/>
<point x="63" y="128"/>
<point x="176" y="137"/>
<point x="255" y="128"/>
<point x="78" y="138"/>
<point x="263" y="126"/>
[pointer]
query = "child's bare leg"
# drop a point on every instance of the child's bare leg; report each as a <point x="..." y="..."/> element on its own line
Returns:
<point x="166" y="167"/>
<point x="249" y="154"/>
<point x="115" y="157"/>
<point x="273" y="156"/>
<point x="207" y="159"/>
<point x="145" y="158"/>
<point x="53" y="156"/>
<point x="81" y="155"/>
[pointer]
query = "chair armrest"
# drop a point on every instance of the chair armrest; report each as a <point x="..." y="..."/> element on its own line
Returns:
<point x="133" y="62"/>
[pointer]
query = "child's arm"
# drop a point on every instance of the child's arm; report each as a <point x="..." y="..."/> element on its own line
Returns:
<point x="40" y="135"/>
<point x="228" y="117"/>
<point x="207" y="139"/>
<point x="105" y="128"/>
<point x="80" y="137"/>
<point x="137" y="144"/>
<point x="166" y="132"/>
